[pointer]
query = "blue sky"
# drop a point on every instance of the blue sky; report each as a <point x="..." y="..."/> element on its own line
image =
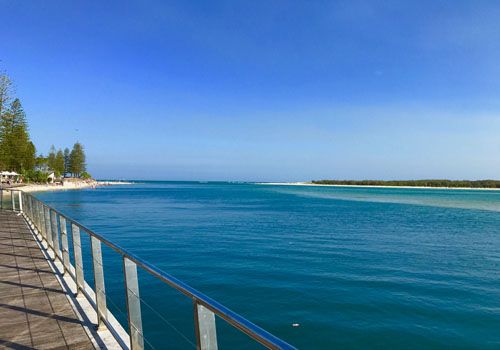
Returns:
<point x="261" y="90"/>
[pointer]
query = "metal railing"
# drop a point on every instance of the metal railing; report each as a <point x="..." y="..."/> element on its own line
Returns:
<point x="52" y="228"/>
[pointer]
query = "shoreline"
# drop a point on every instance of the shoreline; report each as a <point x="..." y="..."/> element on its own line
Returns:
<point x="377" y="186"/>
<point x="68" y="185"/>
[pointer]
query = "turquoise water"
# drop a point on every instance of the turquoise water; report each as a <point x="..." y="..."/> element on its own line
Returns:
<point x="356" y="268"/>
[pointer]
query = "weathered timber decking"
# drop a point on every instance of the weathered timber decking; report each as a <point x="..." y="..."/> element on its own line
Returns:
<point x="35" y="312"/>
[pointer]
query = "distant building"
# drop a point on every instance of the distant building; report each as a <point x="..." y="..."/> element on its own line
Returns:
<point x="44" y="168"/>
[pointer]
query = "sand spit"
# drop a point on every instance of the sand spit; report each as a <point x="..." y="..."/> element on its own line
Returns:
<point x="69" y="185"/>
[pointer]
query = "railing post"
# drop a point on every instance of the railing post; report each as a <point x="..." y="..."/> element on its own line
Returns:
<point x="48" y="230"/>
<point x="36" y="214"/>
<point x="20" y="202"/>
<point x="55" y="235"/>
<point x="27" y="200"/>
<point x="77" y="249"/>
<point x="133" y="304"/>
<point x="204" y="324"/>
<point x="64" y="243"/>
<point x="32" y="210"/>
<point x="27" y="208"/>
<point x="41" y="216"/>
<point x="31" y="215"/>
<point x="41" y="224"/>
<point x="100" y="291"/>
<point x="12" y="200"/>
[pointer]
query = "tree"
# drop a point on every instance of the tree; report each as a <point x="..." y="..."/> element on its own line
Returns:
<point x="59" y="163"/>
<point x="77" y="160"/>
<point x="51" y="158"/>
<point x="5" y="97"/>
<point x="17" y="151"/>
<point x="30" y="158"/>
<point x="67" y="163"/>
<point x="5" y="92"/>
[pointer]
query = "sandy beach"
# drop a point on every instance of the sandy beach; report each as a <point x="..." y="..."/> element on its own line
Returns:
<point x="374" y="186"/>
<point x="69" y="185"/>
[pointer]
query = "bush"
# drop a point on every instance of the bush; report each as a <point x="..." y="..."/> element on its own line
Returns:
<point x="85" y="175"/>
<point x="35" y="176"/>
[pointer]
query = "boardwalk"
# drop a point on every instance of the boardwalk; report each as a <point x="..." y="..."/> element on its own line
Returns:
<point x="35" y="312"/>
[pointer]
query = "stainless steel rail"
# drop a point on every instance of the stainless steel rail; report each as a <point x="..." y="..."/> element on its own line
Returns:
<point x="52" y="227"/>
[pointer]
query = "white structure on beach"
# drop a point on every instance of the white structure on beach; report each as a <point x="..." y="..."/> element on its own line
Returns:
<point x="9" y="176"/>
<point x="51" y="178"/>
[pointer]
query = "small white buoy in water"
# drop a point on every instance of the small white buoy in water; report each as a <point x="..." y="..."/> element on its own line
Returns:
<point x="295" y="324"/>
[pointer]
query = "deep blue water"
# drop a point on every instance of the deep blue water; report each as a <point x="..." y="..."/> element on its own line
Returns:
<point x="357" y="268"/>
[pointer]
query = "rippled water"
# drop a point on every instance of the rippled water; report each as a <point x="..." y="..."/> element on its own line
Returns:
<point x="356" y="268"/>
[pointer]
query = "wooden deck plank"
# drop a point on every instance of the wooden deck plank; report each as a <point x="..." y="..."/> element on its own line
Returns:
<point x="34" y="310"/>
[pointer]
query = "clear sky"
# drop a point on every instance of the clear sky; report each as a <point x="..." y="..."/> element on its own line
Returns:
<point x="261" y="90"/>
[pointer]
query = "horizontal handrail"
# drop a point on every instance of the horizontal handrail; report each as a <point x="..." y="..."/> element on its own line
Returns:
<point x="239" y="322"/>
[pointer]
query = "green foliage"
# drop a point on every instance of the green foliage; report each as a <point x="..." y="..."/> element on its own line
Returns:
<point x="67" y="162"/>
<point x="30" y="159"/>
<point x="36" y="176"/>
<point x="17" y="152"/>
<point x="414" y="183"/>
<point x="5" y="92"/>
<point x="77" y="160"/>
<point x="85" y="175"/>
<point x="51" y="158"/>
<point x="59" y="163"/>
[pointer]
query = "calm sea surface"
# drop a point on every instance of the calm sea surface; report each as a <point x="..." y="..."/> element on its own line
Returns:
<point x="356" y="268"/>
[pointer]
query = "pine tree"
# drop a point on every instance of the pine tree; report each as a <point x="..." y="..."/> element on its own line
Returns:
<point x="5" y="97"/>
<point x="59" y="163"/>
<point x="30" y="157"/>
<point x="51" y="158"/>
<point x="17" y="151"/>
<point x="77" y="160"/>
<point x="5" y="93"/>
<point x="67" y="163"/>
